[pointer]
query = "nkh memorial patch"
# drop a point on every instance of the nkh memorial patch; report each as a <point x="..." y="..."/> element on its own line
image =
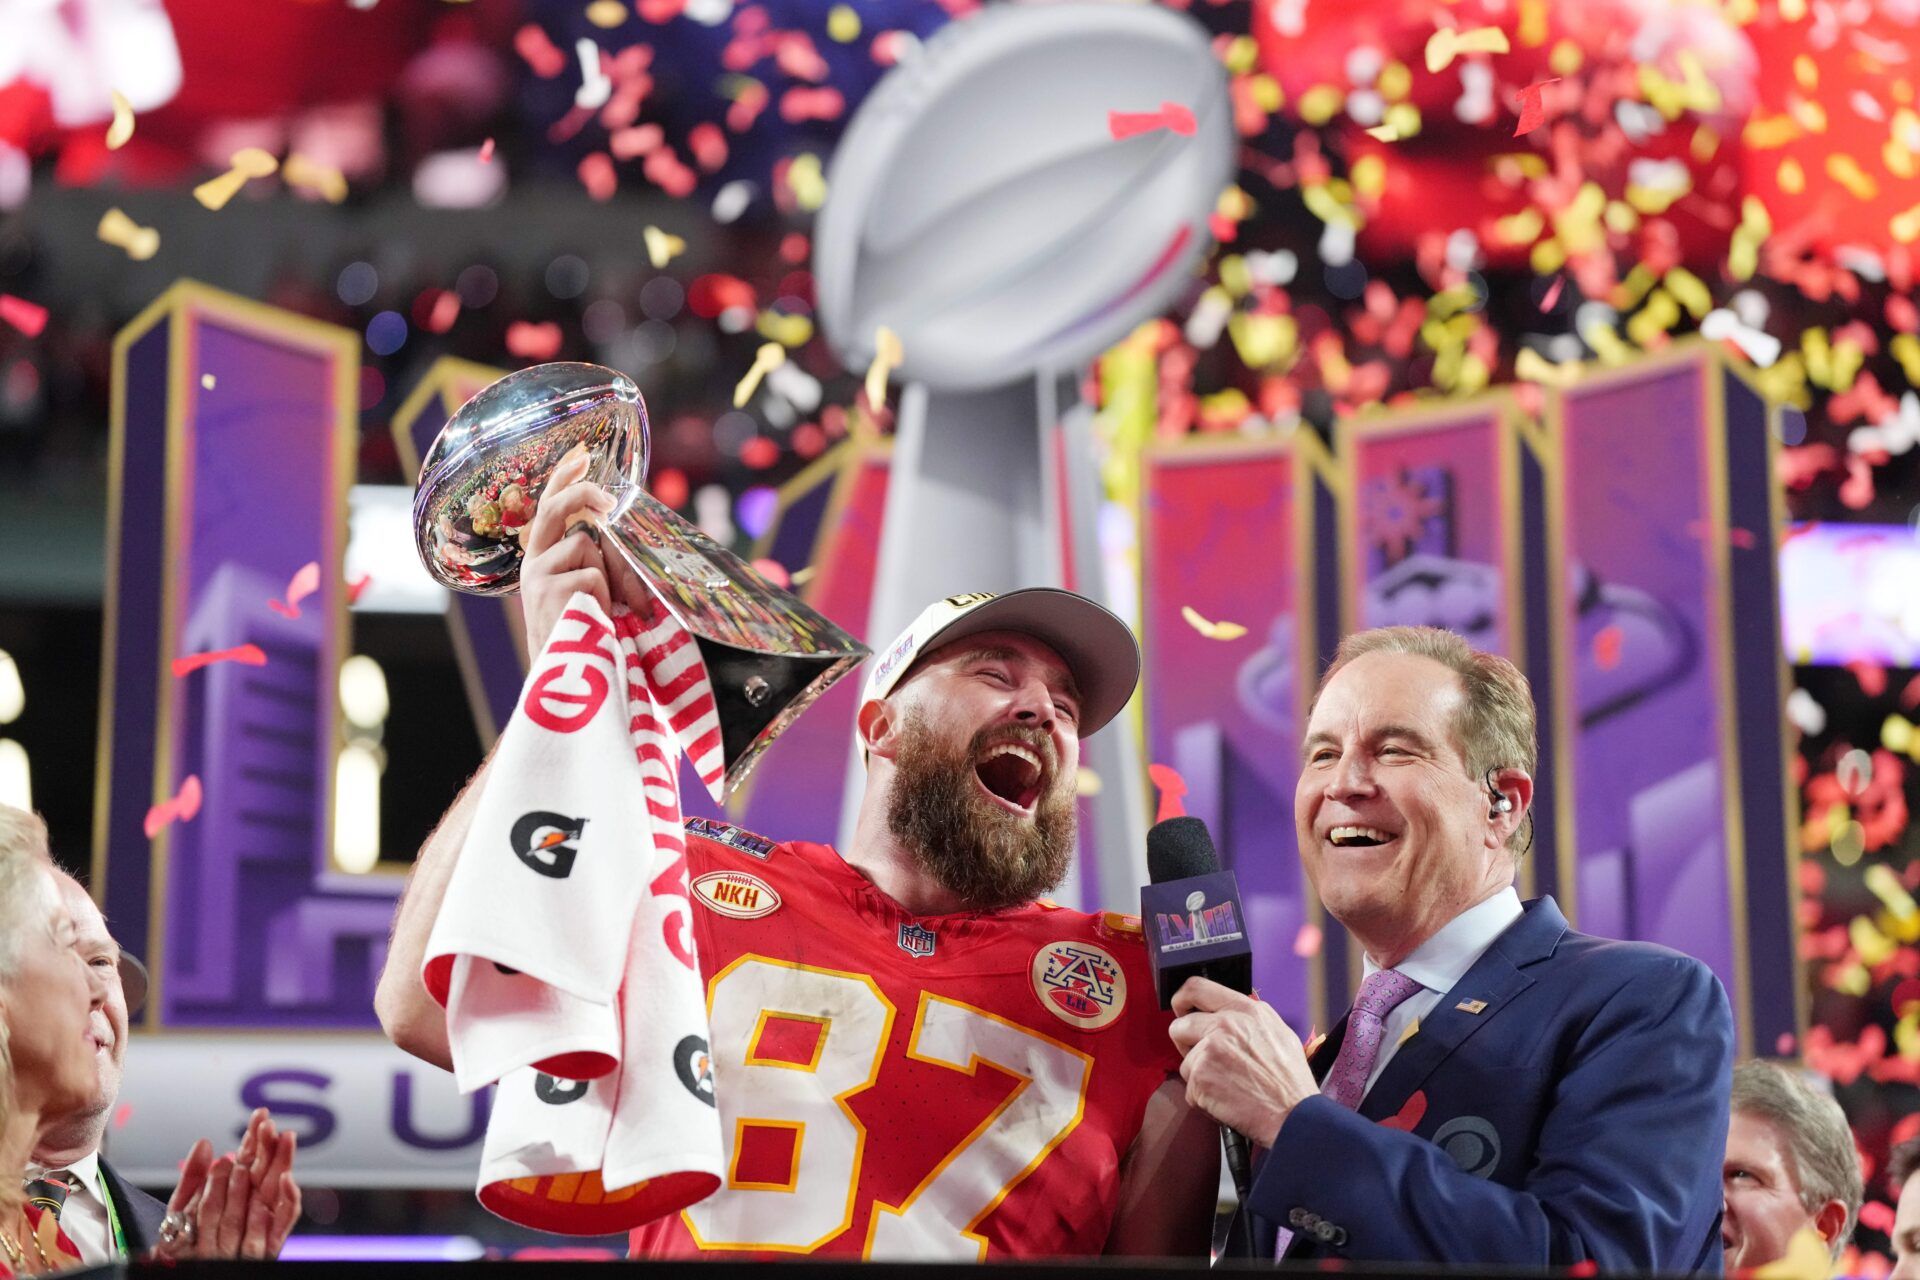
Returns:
<point x="736" y="894"/>
<point x="1079" y="983"/>
<point x="733" y="837"/>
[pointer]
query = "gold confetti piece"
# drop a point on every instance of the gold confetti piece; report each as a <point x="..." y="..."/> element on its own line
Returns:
<point x="1533" y="23"/>
<point x="1764" y="133"/>
<point x="1846" y="171"/>
<point x="1885" y="883"/>
<point x="770" y="357"/>
<point x="1691" y="290"/>
<point x="606" y="14"/>
<point x="843" y="23"/>
<point x="207" y="381"/>
<point x="1384" y="133"/>
<point x="1212" y="630"/>
<point x="661" y="247"/>
<point x="122" y="232"/>
<point x="248" y="163"/>
<point x="1413" y="1029"/>
<point x="1242" y="55"/>
<point x="887" y="355"/>
<point x="1531" y="366"/>
<point x="120" y="132"/>
<point x="1906" y="229"/>
<point x="1318" y="104"/>
<point x="808" y="180"/>
<point x="788" y="331"/>
<point x="1396" y="81"/>
<point x="1404" y="119"/>
<point x="800" y="577"/>
<point x="1444" y="45"/>
<point x="323" y="180"/>
<point x="1086" y="782"/>
<point x="1875" y="948"/>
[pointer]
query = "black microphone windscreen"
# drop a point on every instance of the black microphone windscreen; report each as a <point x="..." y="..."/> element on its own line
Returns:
<point x="1178" y="848"/>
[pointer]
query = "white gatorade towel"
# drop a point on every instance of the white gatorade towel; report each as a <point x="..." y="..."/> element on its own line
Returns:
<point x="564" y="949"/>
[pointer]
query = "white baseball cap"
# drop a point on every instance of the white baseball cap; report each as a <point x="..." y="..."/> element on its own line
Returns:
<point x="1097" y="647"/>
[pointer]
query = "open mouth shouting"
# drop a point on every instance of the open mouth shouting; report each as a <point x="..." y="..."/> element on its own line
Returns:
<point x="1013" y="775"/>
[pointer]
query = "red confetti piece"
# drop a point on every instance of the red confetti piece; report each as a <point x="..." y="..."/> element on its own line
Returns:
<point x="1553" y="293"/>
<point x="1910" y="698"/>
<point x="759" y="453"/>
<point x="637" y="141"/>
<point x="887" y="46"/>
<point x="446" y="309"/>
<point x="1307" y="942"/>
<point x="1584" y="1267"/>
<point x="1171" y="115"/>
<point x="28" y="317"/>
<point x="247" y="655"/>
<point x="597" y="176"/>
<point x="1857" y="490"/>
<point x="746" y="108"/>
<point x="304" y="583"/>
<point x="773" y="571"/>
<point x="794" y="53"/>
<point x="1172" y="787"/>
<point x="1533" y="113"/>
<point x="1871" y="675"/>
<point x="486" y="152"/>
<point x="667" y="171"/>
<point x="182" y="807"/>
<point x="800" y="104"/>
<point x="708" y="142"/>
<point x="1409" y="1114"/>
<point x="122" y="1114"/>
<point x="1606" y="647"/>
<point x="358" y="587"/>
<point x="1877" y="1215"/>
<point x="658" y="11"/>
<point x="531" y="341"/>
<point x="1783" y="1047"/>
<point x="1224" y="229"/>
<point x="542" y="55"/>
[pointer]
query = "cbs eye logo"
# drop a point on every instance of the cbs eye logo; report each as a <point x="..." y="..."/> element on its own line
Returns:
<point x="544" y="841"/>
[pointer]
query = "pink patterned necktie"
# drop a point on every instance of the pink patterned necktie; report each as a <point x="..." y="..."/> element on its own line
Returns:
<point x="1380" y="994"/>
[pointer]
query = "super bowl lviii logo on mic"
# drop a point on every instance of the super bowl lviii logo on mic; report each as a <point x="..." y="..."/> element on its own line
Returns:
<point x="1200" y="925"/>
<point x="545" y="842"/>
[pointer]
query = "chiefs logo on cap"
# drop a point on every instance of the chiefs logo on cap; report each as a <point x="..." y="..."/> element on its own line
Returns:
<point x="1079" y="983"/>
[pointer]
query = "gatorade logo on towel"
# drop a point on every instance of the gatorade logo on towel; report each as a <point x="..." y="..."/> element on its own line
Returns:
<point x="544" y="841"/>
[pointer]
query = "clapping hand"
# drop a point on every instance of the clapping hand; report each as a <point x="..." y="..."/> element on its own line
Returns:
<point x="242" y="1205"/>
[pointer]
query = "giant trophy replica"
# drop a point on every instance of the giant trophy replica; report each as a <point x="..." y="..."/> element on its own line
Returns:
<point x="767" y="654"/>
<point x="1009" y="203"/>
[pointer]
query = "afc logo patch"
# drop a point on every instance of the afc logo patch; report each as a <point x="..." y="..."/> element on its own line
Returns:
<point x="544" y="841"/>
<point x="916" y="940"/>
<point x="1079" y="983"/>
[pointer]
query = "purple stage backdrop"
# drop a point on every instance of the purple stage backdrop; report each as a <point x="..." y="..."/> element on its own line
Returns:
<point x="1228" y="529"/>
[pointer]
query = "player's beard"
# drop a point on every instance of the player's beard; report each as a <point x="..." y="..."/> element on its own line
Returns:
<point x="976" y="850"/>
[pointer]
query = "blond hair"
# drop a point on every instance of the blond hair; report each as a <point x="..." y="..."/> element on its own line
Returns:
<point x="1495" y="726"/>
<point x="23" y="888"/>
<point x="1819" y="1144"/>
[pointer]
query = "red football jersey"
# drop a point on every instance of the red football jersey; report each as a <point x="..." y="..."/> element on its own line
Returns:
<point x="961" y="1086"/>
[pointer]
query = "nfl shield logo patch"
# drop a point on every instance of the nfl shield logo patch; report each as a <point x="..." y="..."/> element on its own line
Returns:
<point x="916" y="941"/>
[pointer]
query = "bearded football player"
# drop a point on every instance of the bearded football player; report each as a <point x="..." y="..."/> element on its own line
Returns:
<point x="914" y="1055"/>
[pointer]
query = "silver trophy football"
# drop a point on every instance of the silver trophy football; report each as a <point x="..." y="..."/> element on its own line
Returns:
<point x="768" y="655"/>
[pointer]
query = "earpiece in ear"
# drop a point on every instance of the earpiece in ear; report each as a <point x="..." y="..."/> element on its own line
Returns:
<point x="1501" y="802"/>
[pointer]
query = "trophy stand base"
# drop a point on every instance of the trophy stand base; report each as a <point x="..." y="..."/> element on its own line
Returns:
<point x="997" y="490"/>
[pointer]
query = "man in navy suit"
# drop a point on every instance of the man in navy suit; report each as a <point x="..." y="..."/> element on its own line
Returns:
<point x="1505" y="1091"/>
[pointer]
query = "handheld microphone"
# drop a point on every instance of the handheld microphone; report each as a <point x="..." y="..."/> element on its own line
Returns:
<point x="1192" y="920"/>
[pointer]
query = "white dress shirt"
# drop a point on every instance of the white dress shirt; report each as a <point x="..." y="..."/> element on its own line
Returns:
<point x="84" y="1215"/>
<point x="1439" y="963"/>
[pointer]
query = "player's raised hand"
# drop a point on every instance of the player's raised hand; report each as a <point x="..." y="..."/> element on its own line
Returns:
<point x="560" y="562"/>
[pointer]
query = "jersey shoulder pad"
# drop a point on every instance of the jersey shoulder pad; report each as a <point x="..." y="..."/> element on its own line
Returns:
<point x="731" y="836"/>
<point x="1113" y="924"/>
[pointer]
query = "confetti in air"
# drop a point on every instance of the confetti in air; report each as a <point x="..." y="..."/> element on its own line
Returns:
<point x="305" y="581"/>
<point x="247" y="164"/>
<point x="120" y="132"/>
<point x="122" y="232"/>
<point x="1172" y="788"/>
<point x="887" y="355"/>
<point x="770" y="357"/>
<point x="28" y="317"/>
<point x="1444" y="45"/>
<point x="182" y="806"/>
<point x="1211" y="630"/>
<point x="662" y="248"/>
<point x="1171" y="116"/>
<point x="247" y="655"/>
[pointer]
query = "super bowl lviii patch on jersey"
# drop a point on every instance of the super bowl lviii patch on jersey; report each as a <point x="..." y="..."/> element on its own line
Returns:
<point x="1079" y="983"/>
<point x="733" y="837"/>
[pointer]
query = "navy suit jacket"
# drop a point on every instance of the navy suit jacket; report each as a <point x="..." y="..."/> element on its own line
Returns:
<point x="1565" y="1102"/>
<point x="140" y="1213"/>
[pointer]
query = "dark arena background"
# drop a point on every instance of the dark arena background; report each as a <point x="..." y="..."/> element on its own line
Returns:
<point x="1584" y="328"/>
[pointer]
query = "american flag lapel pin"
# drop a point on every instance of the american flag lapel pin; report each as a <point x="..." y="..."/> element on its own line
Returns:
<point x="1471" y="1006"/>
